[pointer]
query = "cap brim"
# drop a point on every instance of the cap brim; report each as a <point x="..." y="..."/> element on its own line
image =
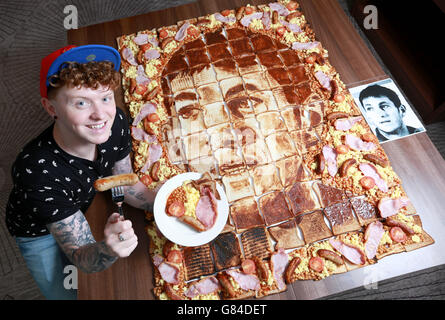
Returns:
<point x="84" y="54"/>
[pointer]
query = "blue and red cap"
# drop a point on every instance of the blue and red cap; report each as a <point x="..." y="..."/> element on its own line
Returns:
<point x="83" y="54"/>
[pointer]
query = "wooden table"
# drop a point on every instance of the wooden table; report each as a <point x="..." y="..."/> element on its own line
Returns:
<point x="415" y="159"/>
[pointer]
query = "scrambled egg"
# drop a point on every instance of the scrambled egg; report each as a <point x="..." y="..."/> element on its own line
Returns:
<point x="131" y="45"/>
<point x="324" y="68"/>
<point x="170" y="47"/>
<point x="289" y="37"/>
<point x="158" y="242"/>
<point x="151" y="67"/>
<point x="192" y="199"/>
<point x="256" y="24"/>
<point x="213" y="22"/>
<point x="386" y="239"/>
<point x="210" y="296"/>
<point x="131" y="72"/>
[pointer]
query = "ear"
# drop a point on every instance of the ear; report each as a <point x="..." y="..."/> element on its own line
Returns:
<point x="48" y="106"/>
<point x="402" y="110"/>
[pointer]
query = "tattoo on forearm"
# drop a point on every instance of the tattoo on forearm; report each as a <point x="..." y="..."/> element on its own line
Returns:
<point x="123" y="166"/>
<point x="74" y="236"/>
<point x="137" y="199"/>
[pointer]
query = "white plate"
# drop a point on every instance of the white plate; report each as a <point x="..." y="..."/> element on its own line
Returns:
<point x="180" y="232"/>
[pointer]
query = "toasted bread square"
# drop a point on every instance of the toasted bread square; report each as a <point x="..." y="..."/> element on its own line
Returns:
<point x="198" y="262"/>
<point x="237" y="186"/>
<point x="203" y="74"/>
<point x="175" y="151"/>
<point x="265" y="179"/>
<point x="197" y="145"/>
<point x="240" y="47"/>
<point x="214" y="37"/>
<point x="298" y="74"/>
<point x="221" y="136"/>
<point x="307" y="93"/>
<point x="166" y="90"/>
<point x="184" y="98"/>
<point x="277" y="77"/>
<point x="306" y="140"/>
<point x="226" y="251"/>
<point x="255" y="81"/>
<point x="261" y="42"/>
<point x="225" y="69"/>
<point x="262" y="101"/>
<point x="176" y="63"/>
<point x="313" y="226"/>
<point x="191" y="119"/>
<point x="248" y="64"/>
<point x="270" y="122"/>
<point x="280" y="145"/>
<point x="286" y="235"/>
<point x="292" y="170"/>
<point x="229" y="161"/>
<point x="247" y="131"/>
<point x="256" y="242"/>
<point x="256" y="154"/>
<point x="203" y="165"/>
<point x="295" y="118"/>
<point x="235" y="33"/>
<point x="269" y="59"/>
<point x="365" y="211"/>
<point x="301" y="198"/>
<point x="171" y="129"/>
<point x="328" y="195"/>
<point x="180" y="80"/>
<point x="274" y="208"/>
<point x="195" y="44"/>
<point x="214" y="114"/>
<point x="289" y="57"/>
<point x="245" y="214"/>
<point x="232" y="88"/>
<point x="239" y="108"/>
<point x="218" y="52"/>
<point x="285" y="96"/>
<point x="209" y="93"/>
<point x="197" y="57"/>
<point x="341" y="217"/>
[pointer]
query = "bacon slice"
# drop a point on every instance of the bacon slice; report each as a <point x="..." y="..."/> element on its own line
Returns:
<point x="146" y="109"/>
<point x="353" y="254"/>
<point x="282" y="10"/>
<point x="279" y="261"/>
<point x="141" y="77"/>
<point x="370" y="171"/>
<point x="128" y="55"/>
<point x="305" y="45"/>
<point x="346" y="124"/>
<point x="324" y="80"/>
<point x="157" y="260"/>
<point x="218" y="16"/>
<point x="389" y="207"/>
<point x="141" y="39"/>
<point x="169" y="272"/>
<point x="152" y="54"/>
<point x="330" y="157"/>
<point x="266" y="20"/>
<point x="295" y="28"/>
<point x="203" y="287"/>
<point x="373" y="234"/>
<point x="358" y="144"/>
<point x="182" y="32"/>
<point x="206" y="208"/>
<point x="245" y="21"/>
<point x="245" y="281"/>
<point x="141" y="135"/>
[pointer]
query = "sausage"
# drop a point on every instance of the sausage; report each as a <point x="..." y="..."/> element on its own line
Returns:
<point x="292" y="15"/>
<point x="154" y="171"/>
<point x="275" y="17"/>
<point x="376" y="159"/>
<point x="321" y="163"/>
<point x="239" y="13"/>
<point x="330" y="255"/>
<point x="336" y="115"/>
<point x="153" y="93"/>
<point x="166" y="41"/>
<point x="227" y="286"/>
<point x="345" y="166"/>
<point x="194" y="223"/>
<point x="291" y="269"/>
<point x="334" y="89"/>
<point x="126" y="179"/>
<point x="262" y="271"/>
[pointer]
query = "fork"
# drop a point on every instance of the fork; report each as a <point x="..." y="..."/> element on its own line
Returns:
<point x="117" y="194"/>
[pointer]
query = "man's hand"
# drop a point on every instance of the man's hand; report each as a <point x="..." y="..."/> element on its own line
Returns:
<point x="119" y="236"/>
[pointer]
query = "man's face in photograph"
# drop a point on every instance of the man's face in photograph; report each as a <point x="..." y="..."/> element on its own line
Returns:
<point x="383" y="114"/>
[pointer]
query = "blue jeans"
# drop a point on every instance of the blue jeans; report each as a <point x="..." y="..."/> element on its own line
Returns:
<point x="46" y="262"/>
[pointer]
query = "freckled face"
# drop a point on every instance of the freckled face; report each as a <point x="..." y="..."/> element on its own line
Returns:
<point x="383" y="114"/>
<point x="85" y="114"/>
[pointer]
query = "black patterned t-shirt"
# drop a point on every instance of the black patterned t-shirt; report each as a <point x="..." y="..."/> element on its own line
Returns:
<point x="51" y="185"/>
